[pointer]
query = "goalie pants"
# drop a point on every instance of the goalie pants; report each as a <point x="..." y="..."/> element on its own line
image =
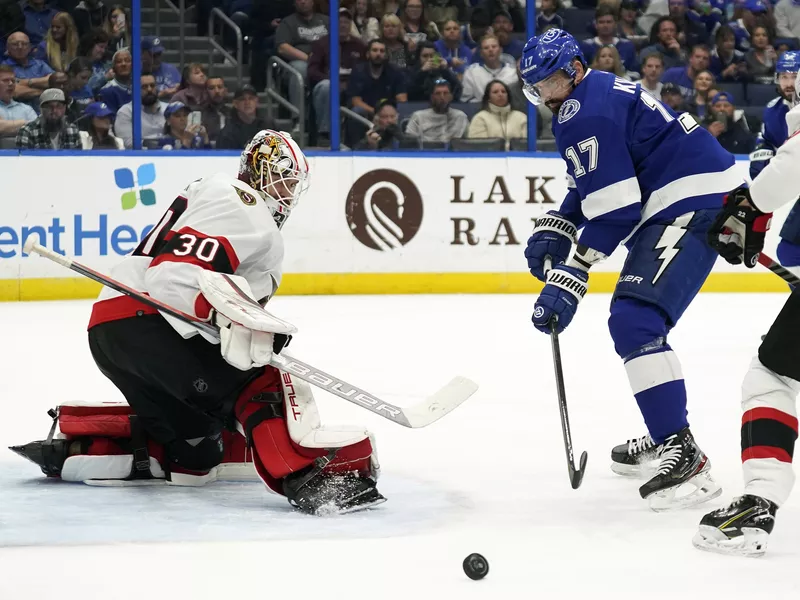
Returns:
<point x="769" y="420"/>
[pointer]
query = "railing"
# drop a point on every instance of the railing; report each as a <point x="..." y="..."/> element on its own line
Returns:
<point x="215" y="45"/>
<point x="179" y="10"/>
<point x="299" y="111"/>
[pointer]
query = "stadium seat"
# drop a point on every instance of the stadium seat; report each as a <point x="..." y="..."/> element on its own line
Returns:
<point x="409" y="142"/>
<point x="404" y="109"/>
<point x="754" y="115"/>
<point x="519" y="144"/>
<point x="468" y="108"/>
<point x="546" y="146"/>
<point x="576" y="21"/>
<point x="477" y="144"/>
<point x="149" y="143"/>
<point x="759" y="94"/>
<point x="736" y="90"/>
<point x="284" y="124"/>
<point x="8" y="143"/>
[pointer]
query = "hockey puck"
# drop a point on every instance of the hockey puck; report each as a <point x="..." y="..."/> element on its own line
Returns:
<point x="476" y="566"/>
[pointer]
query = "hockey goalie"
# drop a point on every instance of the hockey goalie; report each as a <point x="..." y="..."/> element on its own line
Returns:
<point x="194" y="403"/>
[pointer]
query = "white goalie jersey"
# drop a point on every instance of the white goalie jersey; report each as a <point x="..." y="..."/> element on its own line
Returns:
<point x="218" y="223"/>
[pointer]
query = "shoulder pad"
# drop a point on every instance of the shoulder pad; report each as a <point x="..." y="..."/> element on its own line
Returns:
<point x="774" y="101"/>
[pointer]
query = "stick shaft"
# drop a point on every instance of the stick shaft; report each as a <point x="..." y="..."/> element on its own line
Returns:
<point x="780" y="271"/>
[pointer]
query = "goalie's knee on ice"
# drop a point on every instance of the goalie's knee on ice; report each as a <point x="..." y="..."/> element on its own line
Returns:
<point x="634" y="325"/>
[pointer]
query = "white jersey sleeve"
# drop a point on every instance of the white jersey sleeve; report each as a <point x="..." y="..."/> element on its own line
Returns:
<point x="779" y="182"/>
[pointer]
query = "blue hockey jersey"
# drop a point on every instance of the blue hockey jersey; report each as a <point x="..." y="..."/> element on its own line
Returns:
<point x="773" y="133"/>
<point x="631" y="160"/>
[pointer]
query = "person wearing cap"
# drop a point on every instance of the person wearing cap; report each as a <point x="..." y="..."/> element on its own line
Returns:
<point x="477" y="76"/>
<point x="503" y="27"/>
<point x="752" y="13"/>
<point x="294" y="38"/>
<point x="352" y="51"/>
<point x="178" y="134"/>
<point x="13" y="114"/>
<point x="118" y="91"/>
<point x="672" y="96"/>
<point x="787" y="19"/>
<point x="729" y="128"/>
<point x="50" y="131"/>
<point x="152" y="116"/>
<point x="244" y="123"/>
<point x="98" y="134"/>
<point x="168" y="78"/>
<point x="440" y="122"/>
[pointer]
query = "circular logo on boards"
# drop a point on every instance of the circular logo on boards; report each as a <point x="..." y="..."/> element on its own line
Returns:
<point x="384" y="209"/>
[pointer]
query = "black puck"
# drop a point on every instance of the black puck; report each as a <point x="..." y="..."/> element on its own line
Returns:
<point x="476" y="566"/>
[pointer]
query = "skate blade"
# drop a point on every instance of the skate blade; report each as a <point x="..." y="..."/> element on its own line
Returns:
<point x="124" y="482"/>
<point x="700" y="488"/>
<point x="751" y="544"/>
<point x="645" y="470"/>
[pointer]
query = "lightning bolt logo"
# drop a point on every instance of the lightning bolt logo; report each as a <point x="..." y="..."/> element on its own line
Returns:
<point x="669" y="239"/>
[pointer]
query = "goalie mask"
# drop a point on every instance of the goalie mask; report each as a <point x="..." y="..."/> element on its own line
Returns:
<point x="275" y="166"/>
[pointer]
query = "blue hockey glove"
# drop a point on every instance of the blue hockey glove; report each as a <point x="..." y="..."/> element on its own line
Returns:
<point x="563" y="291"/>
<point x="552" y="238"/>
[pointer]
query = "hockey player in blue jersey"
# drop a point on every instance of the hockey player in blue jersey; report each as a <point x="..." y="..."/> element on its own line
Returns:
<point x="642" y="176"/>
<point x="773" y="134"/>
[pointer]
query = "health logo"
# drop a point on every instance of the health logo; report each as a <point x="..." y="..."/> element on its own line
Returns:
<point x="145" y="175"/>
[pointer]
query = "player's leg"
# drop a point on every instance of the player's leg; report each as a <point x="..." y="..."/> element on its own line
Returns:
<point x="769" y="432"/>
<point x="665" y="269"/>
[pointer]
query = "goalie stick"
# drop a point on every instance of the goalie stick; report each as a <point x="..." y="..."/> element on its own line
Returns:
<point x="422" y="414"/>
<point x="780" y="271"/>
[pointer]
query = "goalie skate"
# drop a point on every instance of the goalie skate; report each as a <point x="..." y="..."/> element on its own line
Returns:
<point x="638" y="457"/>
<point x="683" y="478"/>
<point x="741" y="529"/>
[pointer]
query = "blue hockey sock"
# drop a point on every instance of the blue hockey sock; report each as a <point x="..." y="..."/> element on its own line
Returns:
<point x="657" y="383"/>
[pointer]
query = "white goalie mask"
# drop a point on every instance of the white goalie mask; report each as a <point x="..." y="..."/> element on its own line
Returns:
<point x="275" y="166"/>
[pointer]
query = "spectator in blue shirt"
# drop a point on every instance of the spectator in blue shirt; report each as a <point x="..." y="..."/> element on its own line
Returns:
<point x="13" y="114"/>
<point x="683" y="77"/>
<point x="548" y="16"/>
<point x="664" y="40"/>
<point x="503" y="27"/>
<point x="452" y="49"/>
<point x="727" y="63"/>
<point x="751" y="13"/>
<point x="32" y="73"/>
<point x="118" y="91"/>
<point x="93" y="48"/>
<point x="605" y="20"/>
<point x="479" y="23"/>
<point x="178" y="134"/>
<point x="691" y="32"/>
<point x="37" y="19"/>
<point x="168" y="78"/>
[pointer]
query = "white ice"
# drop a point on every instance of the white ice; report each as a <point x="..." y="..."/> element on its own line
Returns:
<point x="489" y="478"/>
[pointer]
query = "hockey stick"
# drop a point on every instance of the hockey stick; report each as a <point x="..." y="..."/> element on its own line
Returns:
<point x="575" y="475"/>
<point x="780" y="271"/>
<point x="422" y="414"/>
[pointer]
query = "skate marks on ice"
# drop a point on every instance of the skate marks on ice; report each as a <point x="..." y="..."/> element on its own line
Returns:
<point x="36" y="511"/>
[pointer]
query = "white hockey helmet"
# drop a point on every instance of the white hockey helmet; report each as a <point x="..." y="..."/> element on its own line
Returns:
<point x="275" y="166"/>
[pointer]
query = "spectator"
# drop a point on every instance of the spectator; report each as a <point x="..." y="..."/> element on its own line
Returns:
<point x="787" y="19"/>
<point x="118" y="28"/>
<point x="452" y="49"/>
<point x="750" y="13"/>
<point x="38" y="16"/>
<point x="513" y="7"/>
<point x="89" y="15"/>
<point x="178" y="134"/>
<point x="168" y="78"/>
<point x="503" y="26"/>
<point x="390" y="7"/>
<point x="761" y="57"/>
<point x="478" y="76"/>
<point x="265" y="18"/>
<point x="93" y="47"/>
<point x="385" y="133"/>
<point x="605" y="20"/>
<point x="439" y="123"/>
<point x="32" y="73"/>
<point x="416" y="26"/>
<point x="704" y="91"/>
<point x="398" y="51"/>
<point x="690" y="32"/>
<point x="709" y="13"/>
<point x="60" y="81"/>
<point x="607" y="59"/>
<point x="727" y="63"/>
<point x="294" y="37"/>
<point x="429" y="66"/>
<point x="480" y="24"/>
<point x="13" y="114"/>
<point x="731" y="132"/>
<point x="652" y="70"/>
<point x="50" y="131"/>
<point x="152" y="116"/>
<point x="664" y="40"/>
<point x="442" y="11"/>
<point x="192" y="91"/>
<point x="628" y="28"/>
<point x="672" y="96"/>
<point x="98" y="134"/>
<point x="365" y="21"/>
<point x="548" y="16"/>
<point x="496" y="118"/>
<point x="684" y="76"/>
<point x="244" y="122"/>
<point x="78" y="74"/>
<point x="216" y="114"/>
<point x="118" y="91"/>
<point x="60" y="45"/>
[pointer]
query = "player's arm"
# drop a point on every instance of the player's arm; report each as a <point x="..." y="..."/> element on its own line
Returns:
<point x="779" y="181"/>
<point x="766" y="146"/>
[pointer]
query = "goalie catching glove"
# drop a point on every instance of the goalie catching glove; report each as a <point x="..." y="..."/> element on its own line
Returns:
<point x="248" y="334"/>
<point x="738" y="231"/>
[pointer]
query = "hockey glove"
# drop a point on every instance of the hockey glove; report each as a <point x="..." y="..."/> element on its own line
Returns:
<point x="738" y="231"/>
<point x="552" y="239"/>
<point x="563" y="291"/>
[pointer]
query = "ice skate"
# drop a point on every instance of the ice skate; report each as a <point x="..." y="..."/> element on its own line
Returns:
<point x="331" y="494"/>
<point x="683" y="478"/>
<point x="48" y="454"/>
<point x="638" y="457"/>
<point x="742" y="528"/>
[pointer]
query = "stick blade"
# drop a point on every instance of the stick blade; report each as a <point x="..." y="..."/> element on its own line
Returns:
<point x="441" y="403"/>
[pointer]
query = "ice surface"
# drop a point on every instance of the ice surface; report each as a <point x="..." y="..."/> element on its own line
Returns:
<point x="489" y="478"/>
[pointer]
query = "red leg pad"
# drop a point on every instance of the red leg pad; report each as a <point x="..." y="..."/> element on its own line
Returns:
<point x="103" y="420"/>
